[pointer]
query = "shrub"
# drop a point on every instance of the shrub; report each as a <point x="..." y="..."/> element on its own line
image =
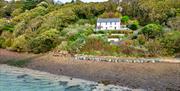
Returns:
<point x="121" y="31"/>
<point x="7" y="43"/>
<point x="17" y="12"/>
<point x="111" y="15"/>
<point x="171" y="42"/>
<point x="20" y="44"/>
<point x="141" y="39"/>
<point x="30" y="4"/>
<point x="76" y="45"/>
<point x="30" y="14"/>
<point x="100" y="32"/>
<point x="134" y="25"/>
<point x="155" y="48"/>
<point x="99" y="46"/>
<point x="125" y="19"/>
<point x="43" y="4"/>
<point x="151" y="31"/>
<point x="2" y="40"/>
<point x="19" y="28"/>
<point x="131" y="51"/>
<point x="82" y="21"/>
<point x="45" y="41"/>
<point x="5" y="26"/>
<point x="62" y="46"/>
<point x="174" y="23"/>
<point x="73" y="30"/>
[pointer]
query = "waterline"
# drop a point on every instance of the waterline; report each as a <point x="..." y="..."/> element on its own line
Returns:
<point x="22" y="79"/>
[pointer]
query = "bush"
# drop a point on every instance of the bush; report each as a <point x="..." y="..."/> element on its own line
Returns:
<point x="125" y="19"/>
<point x="19" y="28"/>
<point x="20" y="44"/>
<point x="45" y="41"/>
<point x="82" y="21"/>
<point x="174" y="23"/>
<point x="62" y="46"/>
<point x="2" y="40"/>
<point x="76" y="45"/>
<point x="100" y="32"/>
<point x="154" y="48"/>
<point x="171" y="42"/>
<point x="43" y="4"/>
<point x="121" y="31"/>
<point x="111" y="15"/>
<point x="75" y="30"/>
<point x="151" y="31"/>
<point x="99" y="45"/>
<point x="5" y="26"/>
<point x="17" y="12"/>
<point x="30" y="4"/>
<point x="134" y="25"/>
<point x="7" y="43"/>
<point x="30" y="14"/>
<point x="131" y="51"/>
<point x="141" y="39"/>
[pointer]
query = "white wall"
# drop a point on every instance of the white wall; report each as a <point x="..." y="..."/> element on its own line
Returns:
<point x="109" y="26"/>
<point x="113" y="39"/>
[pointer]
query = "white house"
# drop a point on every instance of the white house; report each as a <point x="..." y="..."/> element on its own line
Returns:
<point x="109" y="24"/>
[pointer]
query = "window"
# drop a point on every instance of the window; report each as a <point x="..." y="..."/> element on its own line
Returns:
<point x="115" y="23"/>
<point x="110" y="23"/>
<point x="106" y="28"/>
<point x="115" y="28"/>
<point x="106" y="23"/>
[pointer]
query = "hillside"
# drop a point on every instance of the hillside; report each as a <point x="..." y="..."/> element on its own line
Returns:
<point x="43" y="26"/>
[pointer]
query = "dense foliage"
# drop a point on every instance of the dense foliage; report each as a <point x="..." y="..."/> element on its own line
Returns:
<point x="41" y="25"/>
<point x="151" y="11"/>
<point x="151" y="31"/>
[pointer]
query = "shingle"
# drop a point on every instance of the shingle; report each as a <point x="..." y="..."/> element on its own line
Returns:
<point x="108" y="20"/>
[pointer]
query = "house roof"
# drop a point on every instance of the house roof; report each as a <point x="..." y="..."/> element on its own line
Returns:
<point x="108" y="20"/>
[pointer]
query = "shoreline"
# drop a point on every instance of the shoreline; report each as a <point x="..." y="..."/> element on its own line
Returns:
<point x="150" y="76"/>
<point x="58" y="78"/>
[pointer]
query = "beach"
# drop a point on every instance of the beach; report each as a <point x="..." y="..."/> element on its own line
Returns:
<point x="163" y="76"/>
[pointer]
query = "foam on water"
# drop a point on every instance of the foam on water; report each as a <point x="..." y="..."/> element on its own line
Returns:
<point x="22" y="79"/>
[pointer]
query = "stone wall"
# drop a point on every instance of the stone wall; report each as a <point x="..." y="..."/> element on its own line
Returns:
<point x="116" y="59"/>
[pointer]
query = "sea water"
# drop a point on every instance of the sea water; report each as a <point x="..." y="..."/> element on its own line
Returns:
<point x="21" y="79"/>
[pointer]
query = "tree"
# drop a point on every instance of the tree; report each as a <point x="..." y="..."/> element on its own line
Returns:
<point x="151" y="31"/>
<point x="8" y="8"/>
<point x="174" y="23"/>
<point x="72" y="1"/>
<point x="45" y="41"/>
<point x="110" y="15"/>
<point x="148" y="11"/>
<point x="171" y="42"/>
<point x="79" y="1"/>
<point x="30" y="4"/>
<point x="134" y="25"/>
<point x="125" y="19"/>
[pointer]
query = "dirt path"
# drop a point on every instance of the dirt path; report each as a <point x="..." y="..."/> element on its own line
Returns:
<point x="158" y="76"/>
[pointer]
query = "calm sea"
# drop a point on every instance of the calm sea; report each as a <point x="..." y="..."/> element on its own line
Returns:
<point x="21" y="79"/>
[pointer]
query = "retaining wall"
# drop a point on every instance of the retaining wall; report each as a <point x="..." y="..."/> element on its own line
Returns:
<point x="116" y="59"/>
